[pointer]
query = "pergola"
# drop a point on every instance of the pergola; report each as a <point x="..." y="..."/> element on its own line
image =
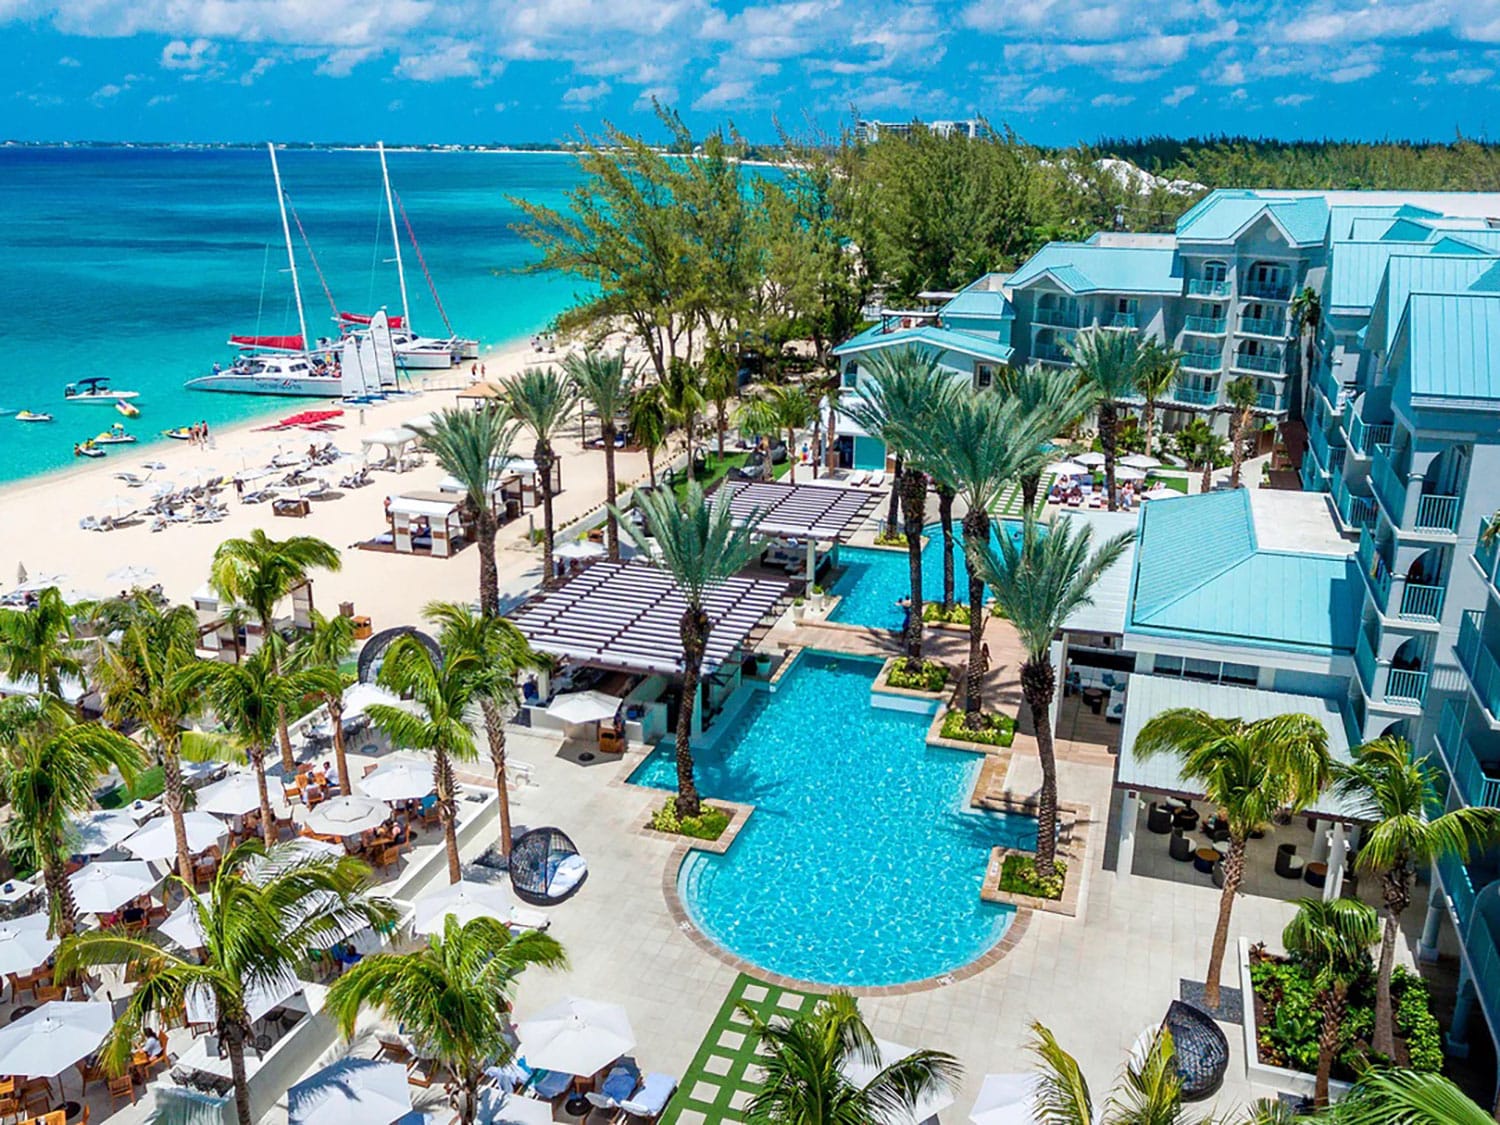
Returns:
<point x="626" y="616"/>
<point x="816" y="513"/>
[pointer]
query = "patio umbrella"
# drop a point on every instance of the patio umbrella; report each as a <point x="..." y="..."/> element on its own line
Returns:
<point x="580" y="549"/>
<point x="1125" y="472"/>
<point x="1141" y="461"/>
<point x="464" y="900"/>
<point x="1006" y="1099"/>
<point x="397" y="781"/>
<point x="24" y="943"/>
<point x="1091" y="459"/>
<point x="236" y="795"/>
<point x="350" y="1092"/>
<point x="584" y="706"/>
<point x="575" y="1036"/>
<point x="104" y="887"/>
<point x="158" y="839"/>
<point x="131" y="575"/>
<point x="357" y="697"/>
<point x="117" y="507"/>
<point x="348" y="816"/>
<point x="1066" y="469"/>
<point x="859" y="1072"/>
<point x="48" y="1041"/>
<point x="100" y="830"/>
<point x="260" y="998"/>
<point x="181" y="926"/>
<point x="498" y="1108"/>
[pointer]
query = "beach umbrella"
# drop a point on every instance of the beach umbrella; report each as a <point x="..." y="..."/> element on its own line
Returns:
<point x="259" y="473"/>
<point x="117" y="507"/>
<point x="1140" y="461"/>
<point x="197" y="771"/>
<point x="24" y="943"/>
<point x="182" y="926"/>
<point x="49" y="1040"/>
<point x="575" y="1036"/>
<point x="579" y="549"/>
<point x="236" y="795"/>
<point x="497" y="1107"/>
<point x="397" y="781"/>
<point x="465" y="900"/>
<point x="1066" y="469"/>
<point x="860" y="1072"/>
<point x="100" y="830"/>
<point x="1126" y="473"/>
<point x="158" y="839"/>
<point x="348" y="816"/>
<point x="162" y="489"/>
<point x="20" y="574"/>
<point x="1006" y="1099"/>
<point x="200" y="474"/>
<point x="584" y="706"/>
<point x="132" y="574"/>
<point x="1092" y="460"/>
<point x="350" y="1091"/>
<point x="100" y="888"/>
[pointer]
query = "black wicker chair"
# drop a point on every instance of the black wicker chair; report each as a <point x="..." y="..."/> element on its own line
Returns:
<point x="545" y="867"/>
<point x="1202" y="1051"/>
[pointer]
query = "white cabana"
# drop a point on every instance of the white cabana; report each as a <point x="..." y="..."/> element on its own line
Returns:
<point x="397" y="781"/>
<point x="24" y="943"/>
<point x="48" y="1041"/>
<point x="579" y="549"/>
<point x="236" y="795"/>
<point x="100" y="888"/>
<point x="1006" y="1099"/>
<point x="465" y="900"/>
<point x="585" y="706"/>
<point x="1126" y="473"/>
<point x="348" y="816"/>
<point x="860" y="1072"/>
<point x="100" y="830"/>
<point x="576" y="1036"/>
<point x="350" y="1091"/>
<point x="158" y="839"/>
<point x="393" y="440"/>
<point x="1067" y="469"/>
<point x="442" y="514"/>
<point x="1140" y="461"/>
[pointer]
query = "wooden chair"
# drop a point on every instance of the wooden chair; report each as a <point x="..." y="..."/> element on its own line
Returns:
<point x="386" y="856"/>
<point x="46" y="993"/>
<point x="392" y="1049"/>
<point x="121" y="1087"/>
<point x="291" y="794"/>
<point x="421" y="1072"/>
<point x="10" y="1106"/>
<point x="432" y="818"/>
<point x="89" y="1072"/>
<point x="36" y="1102"/>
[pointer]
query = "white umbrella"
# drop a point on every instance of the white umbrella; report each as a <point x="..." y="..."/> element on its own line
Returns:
<point x="24" y="943"/>
<point x="21" y="573"/>
<point x="397" y="781"/>
<point x="258" y="473"/>
<point x="1066" y="469"/>
<point x="46" y="1042"/>
<point x="200" y="474"/>
<point x="498" y="1108"/>
<point x="464" y="900"/>
<point x="419" y="423"/>
<point x="260" y="998"/>
<point x="584" y="706"/>
<point x="117" y="506"/>
<point x="860" y="1072"/>
<point x="104" y="887"/>
<point x="163" y="488"/>
<point x="357" y="697"/>
<point x="580" y="549"/>
<point x="1125" y="472"/>
<point x="236" y="795"/>
<point x="1140" y="461"/>
<point x="348" y="816"/>
<point x="131" y="575"/>
<point x="158" y="839"/>
<point x="576" y="1036"/>
<point x="350" y="1092"/>
<point x="1092" y="460"/>
<point x="100" y="830"/>
<point x="182" y="926"/>
<point x="1006" y="1099"/>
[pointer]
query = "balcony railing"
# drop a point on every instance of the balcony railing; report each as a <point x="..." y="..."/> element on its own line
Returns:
<point x="1472" y="777"/>
<point x="1336" y="459"/>
<point x="1355" y="511"/>
<point x="1120" y="320"/>
<point x="1436" y="512"/>
<point x="1477" y="660"/>
<point x="1486" y="554"/>
<point x="1375" y="569"/>
<point x="1404" y="685"/>
<point x="1364" y="662"/>
<point x="1317" y="441"/>
<point x="1332" y="390"/>
<point x="1051" y="353"/>
<point x="1363" y="437"/>
<point x="1262" y="326"/>
<point x="1270" y="400"/>
<point x="1253" y="361"/>
<point x="1460" y="888"/>
<point x="1057" y="318"/>
<point x="1421" y="602"/>
<point x="1206" y="325"/>
<point x="1203" y="288"/>
<point x="1202" y="361"/>
<point x="1311" y="474"/>
<point x="1197" y="396"/>
<point x="1389" y="485"/>
<point x="1268" y="290"/>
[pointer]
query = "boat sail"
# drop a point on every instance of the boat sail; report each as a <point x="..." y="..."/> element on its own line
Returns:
<point x="368" y="366"/>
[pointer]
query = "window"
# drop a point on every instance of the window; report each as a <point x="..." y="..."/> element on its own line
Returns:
<point x="1208" y="671"/>
<point x="1167" y="665"/>
<point x="1239" y="674"/>
<point x="984" y="376"/>
<point x="1127" y="305"/>
<point x="1215" y="271"/>
<point x="1195" y="669"/>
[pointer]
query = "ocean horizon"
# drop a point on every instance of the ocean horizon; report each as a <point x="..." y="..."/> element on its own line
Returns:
<point x="139" y="263"/>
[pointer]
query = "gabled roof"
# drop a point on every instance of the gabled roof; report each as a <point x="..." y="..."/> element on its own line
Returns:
<point x="1449" y="345"/>
<point x="1200" y="575"/>
<point x="979" y="303"/>
<point x="1357" y="269"/>
<point x="1223" y="215"/>
<point x="1081" y="267"/>
<point x="987" y="348"/>
<point x="1406" y="274"/>
<point x="1407" y="230"/>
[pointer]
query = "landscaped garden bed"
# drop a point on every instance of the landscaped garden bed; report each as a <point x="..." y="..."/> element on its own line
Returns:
<point x="709" y="824"/>
<point x="929" y="675"/>
<point x="998" y="730"/>
<point x="1018" y="876"/>
<point x="933" y="614"/>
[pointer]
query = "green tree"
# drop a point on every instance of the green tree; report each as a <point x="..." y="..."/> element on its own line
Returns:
<point x="51" y="764"/>
<point x="1307" y="319"/>
<point x="1159" y="370"/>
<point x="259" y="918"/>
<point x="1250" y="772"/>
<point x="471" y="445"/>
<point x="1040" y="584"/>
<point x="648" y="425"/>
<point x="700" y="545"/>
<point x="452" y="995"/>
<point x="542" y="400"/>
<point x="258" y="572"/>
<point x="442" y="690"/>
<point x="807" y="1058"/>
<point x="682" y="394"/>
<point x="1208" y="453"/>
<point x="1150" y="1092"/>
<point x="1392" y="791"/>
<point x="1405" y="1097"/>
<point x="39" y="643"/>
<point x="721" y="384"/>
<point x="326" y="646"/>
<point x="603" y="381"/>
<point x="780" y="409"/>
<point x="502" y="655"/>
<point x="1242" y="394"/>
<point x="1049" y="393"/>
<point x="1333" y="940"/>
<point x="1108" y="363"/>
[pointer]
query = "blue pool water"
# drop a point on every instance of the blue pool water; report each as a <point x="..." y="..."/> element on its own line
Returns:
<point x="861" y="864"/>
<point x="876" y="579"/>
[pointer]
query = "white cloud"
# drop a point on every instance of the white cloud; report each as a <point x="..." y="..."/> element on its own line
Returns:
<point x="179" y="54"/>
<point x="1179" y="95"/>
<point x="1111" y="101"/>
<point x="161" y="99"/>
<point x="68" y="61"/>
<point x="257" y="69"/>
<point x="106" y="93"/>
<point x="584" y="97"/>
<point x="1470" y="75"/>
<point x="448" y="60"/>
<point x="1292" y="101"/>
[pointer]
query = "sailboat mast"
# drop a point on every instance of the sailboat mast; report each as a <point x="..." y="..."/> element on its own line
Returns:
<point x="390" y="208"/>
<point x="291" y="257"/>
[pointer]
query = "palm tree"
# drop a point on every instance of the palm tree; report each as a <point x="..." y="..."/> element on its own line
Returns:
<point x="1109" y="365"/>
<point x="38" y="643"/>
<point x="1242" y="394"/>
<point x="1053" y="393"/>
<point x="1150" y="1092"/>
<point x="471" y="445"/>
<point x="325" y="646"/>
<point x="258" y="572"/>
<point x="442" y="689"/>
<point x="721" y="383"/>
<point x="49" y="769"/>
<point x="1332" y="939"/>
<point x="1040" y="584"/>
<point x="604" y="381"/>
<point x="453" y="995"/>
<point x="261" y="915"/>
<point x="250" y="700"/>
<point x="1250" y="772"/>
<point x="699" y="544"/>
<point x="648" y="420"/>
<point x="541" y="400"/>
<point x="1405" y="1097"/>
<point x="1158" y="372"/>
<point x="682" y="394"/>
<point x="1307" y="318"/>
<point x="787" y="409"/>
<point x="806" y="1060"/>
<point x="503" y="655"/>
<point x="1209" y="449"/>
<point x="138" y="677"/>
<point x="1391" y="790"/>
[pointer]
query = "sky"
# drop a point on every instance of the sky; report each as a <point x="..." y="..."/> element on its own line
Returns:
<point x="476" y="71"/>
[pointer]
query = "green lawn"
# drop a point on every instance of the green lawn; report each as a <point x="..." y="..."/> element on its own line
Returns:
<point x="1175" y="483"/>
<point x="719" y="468"/>
<point x="1011" y="505"/>
<point x="148" y="785"/>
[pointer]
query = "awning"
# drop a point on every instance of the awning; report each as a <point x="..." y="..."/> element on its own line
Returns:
<point x="824" y="512"/>
<point x="423" y="506"/>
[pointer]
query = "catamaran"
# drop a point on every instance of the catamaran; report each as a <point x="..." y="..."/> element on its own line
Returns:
<point x="367" y="369"/>
<point x="96" y="391"/>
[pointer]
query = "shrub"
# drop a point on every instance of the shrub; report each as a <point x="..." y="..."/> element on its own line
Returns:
<point x="933" y="612"/>
<point x="999" y="730"/>
<point x="890" y="539"/>
<point x="1019" y="876"/>
<point x="927" y="676"/>
<point x="709" y="824"/>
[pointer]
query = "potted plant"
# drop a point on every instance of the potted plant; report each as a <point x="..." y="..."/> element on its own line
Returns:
<point x="763" y="664"/>
<point x="799" y="608"/>
<point x="818" y="595"/>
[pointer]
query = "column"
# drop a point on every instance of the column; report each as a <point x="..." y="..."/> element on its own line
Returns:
<point x="1320" y="841"/>
<point x="1432" y="925"/>
<point x="812" y="564"/>
<point x="1338" y="853"/>
<point x="1130" y="810"/>
<point x="1456" y="1042"/>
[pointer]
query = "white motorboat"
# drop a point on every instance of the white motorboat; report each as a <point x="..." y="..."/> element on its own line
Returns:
<point x="269" y="373"/>
<point x="96" y="391"/>
<point x="419" y="353"/>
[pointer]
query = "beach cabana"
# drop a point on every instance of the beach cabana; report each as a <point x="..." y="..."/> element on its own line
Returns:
<point x="393" y="440"/>
<point x="438" y="512"/>
<point x="804" y="514"/>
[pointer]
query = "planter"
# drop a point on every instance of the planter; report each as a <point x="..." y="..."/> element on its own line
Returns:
<point x="762" y="665"/>
<point x="1072" y="848"/>
<point x="1282" y="1078"/>
<point x="739" y="814"/>
<point x="799" y="611"/>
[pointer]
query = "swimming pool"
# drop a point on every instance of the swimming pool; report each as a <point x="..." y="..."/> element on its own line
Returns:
<point x="861" y="865"/>
<point x="875" y="579"/>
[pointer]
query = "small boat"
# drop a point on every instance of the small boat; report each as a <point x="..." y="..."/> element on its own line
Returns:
<point x="128" y="409"/>
<point x="115" y="435"/>
<point x="96" y="390"/>
<point x="87" y="449"/>
<point x="181" y="433"/>
<point x="31" y="416"/>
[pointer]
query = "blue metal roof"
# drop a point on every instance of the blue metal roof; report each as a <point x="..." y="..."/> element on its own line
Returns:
<point x="1357" y="268"/>
<point x="941" y="339"/>
<point x="1407" y="230"/>
<point x="973" y="302"/>
<point x="1081" y="267"/>
<point x="1406" y="274"/>
<point x="1449" y="344"/>
<point x="1200" y="575"/>
<point x="1223" y="215"/>
<point x="1344" y="221"/>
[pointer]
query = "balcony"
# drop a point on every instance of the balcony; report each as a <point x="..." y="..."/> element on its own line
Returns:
<point x="1486" y="555"/>
<point x="1364" y="437"/>
<point x="1376" y="570"/>
<point x="1336" y="459"/>
<point x="1057" y="318"/>
<point x="1420" y="602"/>
<point x="1206" y="325"/>
<point x="1460" y="889"/>
<point x="1268" y="290"/>
<point x="1203" y="288"/>
<point x="1050" y="353"/>
<point x="1480" y="664"/>
<point x="1253" y="361"/>
<point x="1406" y="686"/>
<point x="1202" y="361"/>
<point x="1331" y="389"/>
<point x="1270" y="400"/>
<point x="1364" y="662"/>
<point x="1121" y="320"/>
<point x="1263" y="326"/>
<point x="1194" y="396"/>
<point x="1435" y="512"/>
<point x="1355" y="511"/>
<point x="1311" y="474"/>
<point x="1478" y="782"/>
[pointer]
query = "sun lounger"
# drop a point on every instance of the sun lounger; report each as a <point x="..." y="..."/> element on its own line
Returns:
<point x="877" y="478"/>
<point x="90" y="523"/>
<point x="525" y="918"/>
<point x="131" y="480"/>
<point x="651" y="1099"/>
<point x="857" y="479"/>
<point x="550" y="1084"/>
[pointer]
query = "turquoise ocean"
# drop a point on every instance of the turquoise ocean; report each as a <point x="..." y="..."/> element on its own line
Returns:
<point x="138" y="264"/>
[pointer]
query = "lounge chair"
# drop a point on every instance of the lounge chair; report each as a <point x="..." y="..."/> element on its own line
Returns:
<point x="1202" y="1050"/>
<point x="858" y="478"/>
<point x="523" y="918"/>
<point x="651" y="1099"/>
<point x="550" y="1084"/>
<point x="877" y="479"/>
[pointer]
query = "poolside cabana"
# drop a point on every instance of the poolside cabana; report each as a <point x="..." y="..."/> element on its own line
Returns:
<point x="440" y="513"/>
<point x="806" y="513"/>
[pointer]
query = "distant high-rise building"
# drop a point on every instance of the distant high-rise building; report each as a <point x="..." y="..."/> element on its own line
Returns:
<point x="868" y="132"/>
